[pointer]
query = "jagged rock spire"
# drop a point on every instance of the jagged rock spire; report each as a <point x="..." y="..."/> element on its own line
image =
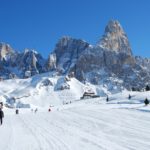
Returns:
<point x="51" y="62"/>
<point x="5" y="49"/>
<point x="115" y="38"/>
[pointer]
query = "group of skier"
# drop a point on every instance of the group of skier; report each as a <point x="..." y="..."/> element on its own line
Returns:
<point x="16" y="111"/>
<point x="146" y="101"/>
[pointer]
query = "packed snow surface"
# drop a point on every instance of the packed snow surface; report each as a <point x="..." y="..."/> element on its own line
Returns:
<point x="92" y="124"/>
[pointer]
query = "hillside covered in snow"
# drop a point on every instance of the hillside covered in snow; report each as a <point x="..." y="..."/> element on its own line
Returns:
<point x="41" y="90"/>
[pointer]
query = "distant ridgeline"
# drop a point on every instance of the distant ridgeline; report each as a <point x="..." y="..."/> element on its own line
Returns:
<point x="109" y="63"/>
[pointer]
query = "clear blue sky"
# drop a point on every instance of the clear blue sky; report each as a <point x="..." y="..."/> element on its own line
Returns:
<point x="38" y="24"/>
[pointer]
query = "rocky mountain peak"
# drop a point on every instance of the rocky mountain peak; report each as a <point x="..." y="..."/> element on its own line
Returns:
<point x="115" y="39"/>
<point x="5" y="49"/>
<point x="31" y="52"/>
<point x="67" y="52"/>
<point x="64" y="40"/>
<point x="114" y="26"/>
<point x="67" y="42"/>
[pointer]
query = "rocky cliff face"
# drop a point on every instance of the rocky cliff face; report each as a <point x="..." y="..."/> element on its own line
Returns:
<point x="144" y="62"/>
<point x="30" y="60"/>
<point x="14" y="64"/>
<point x="68" y="51"/>
<point x="51" y="62"/>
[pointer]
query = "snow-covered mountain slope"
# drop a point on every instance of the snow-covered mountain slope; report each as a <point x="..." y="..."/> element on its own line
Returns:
<point x="41" y="90"/>
<point x="92" y="124"/>
<point x="144" y="62"/>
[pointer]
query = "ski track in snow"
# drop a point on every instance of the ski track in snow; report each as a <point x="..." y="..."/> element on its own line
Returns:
<point x="84" y="127"/>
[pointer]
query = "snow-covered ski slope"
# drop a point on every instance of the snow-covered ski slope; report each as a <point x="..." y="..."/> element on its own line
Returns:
<point x="92" y="124"/>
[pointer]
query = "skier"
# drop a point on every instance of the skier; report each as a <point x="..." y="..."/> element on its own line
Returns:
<point x="17" y="111"/>
<point x="49" y="110"/>
<point x="1" y="116"/>
<point x="129" y="96"/>
<point x="36" y="110"/>
<point x="146" y="101"/>
<point x="107" y="99"/>
<point x="1" y="105"/>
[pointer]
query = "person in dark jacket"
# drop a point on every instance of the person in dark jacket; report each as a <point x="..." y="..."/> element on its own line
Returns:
<point x="35" y="110"/>
<point x="1" y="116"/>
<point x="107" y="99"/>
<point x="146" y="101"/>
<point x="129" y="96"/>
<point x="17" y="111"/>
